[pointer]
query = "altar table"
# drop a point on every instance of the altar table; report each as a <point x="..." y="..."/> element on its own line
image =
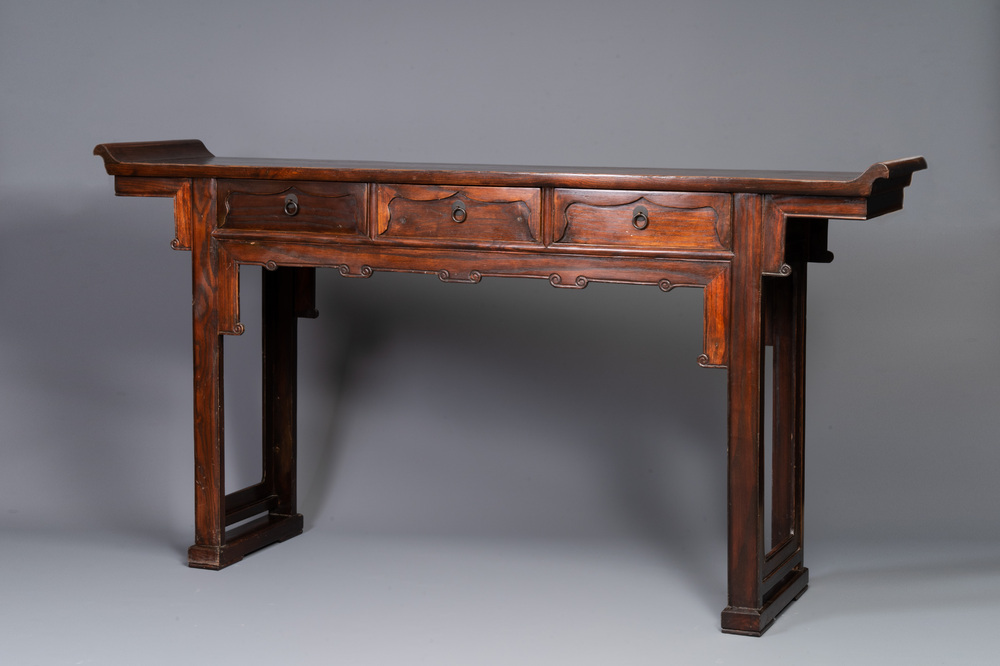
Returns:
<point x="744" y="237"/>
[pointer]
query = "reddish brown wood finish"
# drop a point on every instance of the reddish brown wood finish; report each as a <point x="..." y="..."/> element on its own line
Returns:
<point x="483" y="216"/>
<point x="333" y="208"/>
<point x="652" y="220"/>
<point x="744" y="237"/>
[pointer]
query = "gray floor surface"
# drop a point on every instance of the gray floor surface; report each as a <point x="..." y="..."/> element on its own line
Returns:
<point x="340" y="598"/>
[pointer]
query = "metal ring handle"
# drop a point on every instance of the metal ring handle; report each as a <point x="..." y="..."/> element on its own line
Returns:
<point x="640" y="218"/>
<point x="458" y="212"/>
<point x="291" y="205"/>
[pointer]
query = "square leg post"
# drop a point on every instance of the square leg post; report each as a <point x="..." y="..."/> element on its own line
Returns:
<point x="282" y="296"/>
<point x="209" y="429"/>
<point x="787" y="317"/>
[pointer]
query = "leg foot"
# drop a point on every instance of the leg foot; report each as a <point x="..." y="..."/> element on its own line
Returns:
<point x="245" y="539"/>
<point x="755" y="621"/>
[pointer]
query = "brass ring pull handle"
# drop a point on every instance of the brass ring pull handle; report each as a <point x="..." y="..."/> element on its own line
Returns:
<point x="458" y="212"/>
<point x="291" y="205"/>
<point x="640" y="218"/>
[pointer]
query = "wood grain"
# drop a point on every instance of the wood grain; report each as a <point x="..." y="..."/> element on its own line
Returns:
<point x="745" y="237"/>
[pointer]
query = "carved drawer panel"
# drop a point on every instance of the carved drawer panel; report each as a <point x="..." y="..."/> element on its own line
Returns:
<point x="337" y="208"/>
<point x="629" y="218"/>
<point x="487" y="214"/>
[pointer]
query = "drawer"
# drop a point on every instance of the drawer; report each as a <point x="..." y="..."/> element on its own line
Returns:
<point x="629" y="218"/>
<point x="282" y="205"/>
<point x="483" y="214"/>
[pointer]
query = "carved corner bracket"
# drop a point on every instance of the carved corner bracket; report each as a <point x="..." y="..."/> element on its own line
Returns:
<point x="180" y="189"/>
<point x="717" y="308"/>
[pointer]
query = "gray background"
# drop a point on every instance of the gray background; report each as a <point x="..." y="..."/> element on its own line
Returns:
<point x="505" y="472"/>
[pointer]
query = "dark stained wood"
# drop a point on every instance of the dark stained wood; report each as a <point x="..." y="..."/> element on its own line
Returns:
<point x="245" y="539"/>
<point x="209" y="429"/>
<point x="190" y="159"/>
<point x="745" y="237"/>
<point x="280" y="342"/>
<point x="746" y="426"/>
<point x="330" y="208"/>
<point x="488" y="215"/>
<point x="677" y="220"/>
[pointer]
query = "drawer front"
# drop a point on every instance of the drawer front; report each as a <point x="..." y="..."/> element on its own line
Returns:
<point x="485" y="214"/>
<point x="281" y="205"/>
<point x="629" y="218"/>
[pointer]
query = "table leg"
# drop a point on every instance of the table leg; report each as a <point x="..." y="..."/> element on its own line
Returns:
<point x="280" y="341"/>
<point x="263" y="513"/>
<point x="209" y="434"/>
<point x="787" y="314"/>
<point x="765" y="571"/>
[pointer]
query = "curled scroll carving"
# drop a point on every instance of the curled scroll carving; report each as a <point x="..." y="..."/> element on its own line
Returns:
<point x="366" y="271"/>
<point x="580" y="282"/>
<point x="474" y="277"/>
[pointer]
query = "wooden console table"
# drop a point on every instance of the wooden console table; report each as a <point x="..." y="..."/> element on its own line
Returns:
<point x="744" y="237"/>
